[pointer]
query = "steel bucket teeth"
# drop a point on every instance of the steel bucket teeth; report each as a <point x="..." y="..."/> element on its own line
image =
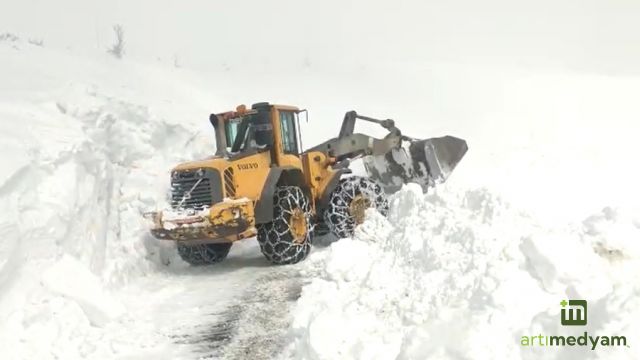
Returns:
<point x="425" y="162"/>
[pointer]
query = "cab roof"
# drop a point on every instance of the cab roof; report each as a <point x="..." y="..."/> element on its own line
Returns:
<point x="242" y="109"/>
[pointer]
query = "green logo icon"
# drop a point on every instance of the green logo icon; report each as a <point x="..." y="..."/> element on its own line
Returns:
<point x="574" y="314"/>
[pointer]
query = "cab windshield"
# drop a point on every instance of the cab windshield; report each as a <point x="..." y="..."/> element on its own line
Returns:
<point x="249" y="132"/>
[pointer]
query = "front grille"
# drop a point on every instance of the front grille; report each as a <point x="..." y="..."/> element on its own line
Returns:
<point x="195" y="189"/>
<point x="229" y="186"/>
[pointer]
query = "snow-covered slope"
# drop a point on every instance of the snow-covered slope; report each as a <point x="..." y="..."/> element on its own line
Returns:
<point x="87" y="145"/>
<point x="459" y="274"/>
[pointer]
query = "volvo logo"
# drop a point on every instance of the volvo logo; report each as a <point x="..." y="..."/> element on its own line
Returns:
<point x="247" y="166"/>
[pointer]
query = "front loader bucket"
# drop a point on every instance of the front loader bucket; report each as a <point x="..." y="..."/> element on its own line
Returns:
<point x="426" y="162"/>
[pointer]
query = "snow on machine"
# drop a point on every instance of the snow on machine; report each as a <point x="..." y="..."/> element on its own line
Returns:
<point x="260" y="183"/>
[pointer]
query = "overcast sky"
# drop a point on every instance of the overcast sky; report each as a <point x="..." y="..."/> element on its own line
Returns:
<point x="581" y="35"/>
<point x="551" y="79"/>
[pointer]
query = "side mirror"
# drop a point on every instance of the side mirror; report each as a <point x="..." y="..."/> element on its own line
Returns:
<point x="306" y="114"/>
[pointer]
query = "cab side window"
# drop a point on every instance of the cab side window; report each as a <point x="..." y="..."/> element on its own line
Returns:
<point x="288" y="132"/>
<point x="231" y="131"/>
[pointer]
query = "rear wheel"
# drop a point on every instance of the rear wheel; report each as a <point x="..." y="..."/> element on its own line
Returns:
<point x="203" y="254"/>
<point x="348" y="203"/>
<point x="287" y="239"/>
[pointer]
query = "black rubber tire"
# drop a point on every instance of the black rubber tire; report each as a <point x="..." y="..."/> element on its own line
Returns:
<point x="336" y="216"/>
<point x="204" y="254"/>
<point x="320" y="229"/>
<point x="275" y="238"/>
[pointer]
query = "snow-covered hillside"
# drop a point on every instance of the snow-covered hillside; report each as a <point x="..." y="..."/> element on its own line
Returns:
<point x="544" y="206"/>
<point x="83" y="156"/>
<point x="462" y="275"/>
<point x="88" y="144"/>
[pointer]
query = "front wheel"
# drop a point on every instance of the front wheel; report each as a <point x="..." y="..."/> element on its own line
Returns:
<point x="203" y="254"/>
<point x="287" y="239"/>
<point x="348" y="203"/>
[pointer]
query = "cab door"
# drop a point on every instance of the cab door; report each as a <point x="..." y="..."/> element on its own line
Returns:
<point x="289" y="147"/>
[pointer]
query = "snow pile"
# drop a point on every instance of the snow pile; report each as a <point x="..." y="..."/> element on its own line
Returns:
<point x="76" y="226"/>
<point x="462" y="275"/>
<point x="82" y="166"/>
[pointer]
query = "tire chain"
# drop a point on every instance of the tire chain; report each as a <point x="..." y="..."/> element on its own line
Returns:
<point x="203" y="254"/>
<point x="275" y="238"/>
<point x="337" y="216"/>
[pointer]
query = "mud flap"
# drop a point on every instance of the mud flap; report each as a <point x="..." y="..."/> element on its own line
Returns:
<point x="425" y="162"/>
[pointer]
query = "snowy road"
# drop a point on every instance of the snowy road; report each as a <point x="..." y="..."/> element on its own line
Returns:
<point x="238" y="309"/>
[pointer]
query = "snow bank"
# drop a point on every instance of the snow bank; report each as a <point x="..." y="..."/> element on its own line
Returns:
<point x="84" y="161"/>
<point x="462" y="275"/>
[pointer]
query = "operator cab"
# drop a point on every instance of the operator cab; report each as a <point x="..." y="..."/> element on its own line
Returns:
<point x="250" y="131"/>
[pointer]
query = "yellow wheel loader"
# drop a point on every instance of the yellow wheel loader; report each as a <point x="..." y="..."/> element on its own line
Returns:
<point x="260" y="183"/>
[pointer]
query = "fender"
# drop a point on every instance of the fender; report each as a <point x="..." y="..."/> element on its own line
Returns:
<point x="333" y="183"/>
<point x="278" y="176"/>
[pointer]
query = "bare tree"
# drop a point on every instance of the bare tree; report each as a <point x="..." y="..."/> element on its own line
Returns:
<point x="176" y="61"/>
<point x="117" y="49"/>
<point x="9" y="37"/>
<point x="36" y="42"/>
